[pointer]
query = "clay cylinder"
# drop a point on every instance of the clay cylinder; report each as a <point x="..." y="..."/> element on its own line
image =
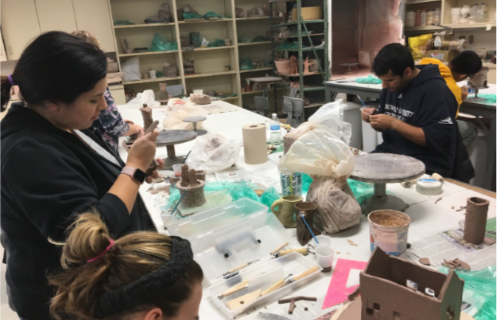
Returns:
<point x="194" y="195"/>
<point x="476" y="220"/>
<point x="307" y="209"/>
<point x="200" y="175"/>
<point x="147" y="116"/>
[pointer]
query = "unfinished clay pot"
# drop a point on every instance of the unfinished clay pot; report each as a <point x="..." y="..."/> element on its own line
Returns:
<point x="200" y="174"/>
<point x="147" y="116"/>
<point x="307" y="209"/>
<point x="476" y="220"/>
<point x="283" y="66"/>
<point x="193" y="187"/>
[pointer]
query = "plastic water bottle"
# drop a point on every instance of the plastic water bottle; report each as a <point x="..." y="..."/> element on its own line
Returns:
<point x="275" y="130"/>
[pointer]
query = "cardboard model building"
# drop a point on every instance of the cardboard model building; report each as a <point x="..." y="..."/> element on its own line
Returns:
<point x="386" y="296"/>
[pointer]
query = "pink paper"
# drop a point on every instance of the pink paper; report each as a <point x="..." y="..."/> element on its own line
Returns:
<point x="338" y="291"/>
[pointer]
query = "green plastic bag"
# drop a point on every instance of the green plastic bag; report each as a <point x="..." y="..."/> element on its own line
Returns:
<point x="246" y="64"/>
<point x="479" y="292"/>
<point x="306" y="182"/>
<point x="268" y="197"/>
<point x="368" y="80"/>
<point x="217" y="43"/>
<point x="211" y="14"/>
<point x="189" y="15"/>
<point x="361" y="190"/>
<point x="159" y="43"/>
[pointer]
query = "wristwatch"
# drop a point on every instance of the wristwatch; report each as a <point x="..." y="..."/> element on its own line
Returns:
<point x="135" y="173"/>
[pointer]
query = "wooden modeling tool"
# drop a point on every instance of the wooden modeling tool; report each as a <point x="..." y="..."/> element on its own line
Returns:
<point x="240" y="267"/>
<point x="243" y="300"/>
<point x="151" y="128"/>
<point x="278" y="249"/>
<point x="274" y="287"/>
<point x="290" y="279"/>
<point x="239" y="287"/>
<point x="282" y="253"/>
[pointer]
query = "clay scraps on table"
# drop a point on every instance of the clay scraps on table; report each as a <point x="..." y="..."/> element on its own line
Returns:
<point x="425" y="261"/>
<point x="438" y="200"/>
<point x="351" y="243"/>
<point x="461" y="208"/>
<point x="456" y="264"/>
<point x="293" y="300"/>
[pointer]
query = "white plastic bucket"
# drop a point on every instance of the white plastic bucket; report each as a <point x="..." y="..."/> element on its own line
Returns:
<point x="388" y="231"/>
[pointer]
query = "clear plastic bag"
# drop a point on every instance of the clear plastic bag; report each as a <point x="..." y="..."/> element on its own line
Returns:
<point x="213" y="152"/>
<point x="327" y="118"/>
<point x="131" y="69"/>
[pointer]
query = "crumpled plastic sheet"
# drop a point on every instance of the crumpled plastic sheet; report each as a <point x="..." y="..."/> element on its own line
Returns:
<point x="368" y="80"/>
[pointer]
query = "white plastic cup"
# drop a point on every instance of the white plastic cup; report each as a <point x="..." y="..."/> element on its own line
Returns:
<point x="177" y="169"/>
<point x="199" y="91"/>
<point x="324" y="241"/>
<point x="324" y="257"/>
<point x="152" y="74"/>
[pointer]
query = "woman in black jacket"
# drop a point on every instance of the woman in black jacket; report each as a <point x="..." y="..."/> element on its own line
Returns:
<point x="54" y="166"/>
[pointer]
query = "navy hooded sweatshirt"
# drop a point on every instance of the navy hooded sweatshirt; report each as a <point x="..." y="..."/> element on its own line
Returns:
<point x="427" y="103"/>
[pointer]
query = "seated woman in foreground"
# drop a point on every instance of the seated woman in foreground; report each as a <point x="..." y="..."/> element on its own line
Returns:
<point x="142" y="276"/>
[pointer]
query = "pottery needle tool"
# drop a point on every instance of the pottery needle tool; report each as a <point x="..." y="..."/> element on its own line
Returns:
<point x="307" y="225"/>
<point x="240" y="267"/>
<point x="239" y="287"/>
<point x="302" y="251"/>
<point x="151" y="128"/>
<point x="184" y="160"/>
<point x="279" y="248"/>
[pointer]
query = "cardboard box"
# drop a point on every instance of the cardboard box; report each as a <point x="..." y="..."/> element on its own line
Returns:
<point x="442" y="55"/>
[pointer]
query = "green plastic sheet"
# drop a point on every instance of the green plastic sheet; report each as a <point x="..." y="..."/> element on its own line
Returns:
<point x="217" y="43"/>
<point x="479" y="292"/>
<point x="246" y="64"/>
<point x="189" y="15"/>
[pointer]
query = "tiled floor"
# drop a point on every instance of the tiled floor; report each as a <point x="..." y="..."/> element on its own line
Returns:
<point x="5" y="312"/>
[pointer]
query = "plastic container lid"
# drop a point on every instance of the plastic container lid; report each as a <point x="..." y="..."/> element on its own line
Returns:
<point x="429" y="187"/>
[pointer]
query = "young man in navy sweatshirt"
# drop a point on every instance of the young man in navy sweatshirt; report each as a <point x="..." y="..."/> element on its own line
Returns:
<point x="417" y="111"/>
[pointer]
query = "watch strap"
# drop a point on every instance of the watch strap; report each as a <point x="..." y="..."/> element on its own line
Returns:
<point x="135" y="173"/>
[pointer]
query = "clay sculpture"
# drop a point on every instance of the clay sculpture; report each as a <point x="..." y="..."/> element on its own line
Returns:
<point x="385" y="295"/>
<point x="200" y="99"/>
<point x="293" y="300"/>
<point x="307" y="209"/>
<point x="192" y="186"/>
<point x="476" y="220"/>
<point x="294" y="66"/>
<point x="147" y="116"/>
<point x="306" y="65"/>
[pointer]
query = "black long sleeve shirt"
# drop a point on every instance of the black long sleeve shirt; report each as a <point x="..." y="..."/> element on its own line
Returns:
<point x="49" y="177"/>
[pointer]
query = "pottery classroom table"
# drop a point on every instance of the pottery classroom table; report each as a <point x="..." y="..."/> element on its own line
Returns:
<point x="427" y="217"/>
<point x="470" y="106"/>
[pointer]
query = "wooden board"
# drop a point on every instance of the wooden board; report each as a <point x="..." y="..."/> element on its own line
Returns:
<point x="386" y="168"/>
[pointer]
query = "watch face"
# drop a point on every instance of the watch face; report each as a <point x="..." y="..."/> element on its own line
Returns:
<point x="139" y="175"/>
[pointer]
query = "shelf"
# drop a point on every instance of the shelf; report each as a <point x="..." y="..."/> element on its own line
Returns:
<point x="143" y="25"/>
<point x="150" y="80"/>
<point x="422" y="1"/>
<point x="471" y="25"/>
<point x="303" y="49"/>
<point x="253" y="18"/>
<point x="209" y="48"/>
<point x="148" y="53"/>
<point x="259" y="91"/>
<point x="253" y="43"/>
<point x="424" y="28"/>
<point x="296" y="75"/>
<point x="259" y="69"/>
<point x="304" y="36"/>
<point x="203" y="21"/>
<point x="314" y="105"/>
<point x="229" y="98"/>
<point x="306" y="89"/>
<point x="202" y="75"/>
<point x="295" y="22"/>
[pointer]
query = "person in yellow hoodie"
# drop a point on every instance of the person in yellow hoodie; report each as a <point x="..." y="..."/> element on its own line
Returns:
<point x="463" y="66"/>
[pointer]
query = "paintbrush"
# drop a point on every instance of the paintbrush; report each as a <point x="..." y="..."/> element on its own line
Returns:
<point x="177" y="204"/>
<point x="374" y="112"/>
<point x="303" y="218"/>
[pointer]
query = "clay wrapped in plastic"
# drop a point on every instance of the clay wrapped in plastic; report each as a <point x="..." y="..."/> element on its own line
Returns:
<point x="213" y="152"/>
<point x="320" y="151"/>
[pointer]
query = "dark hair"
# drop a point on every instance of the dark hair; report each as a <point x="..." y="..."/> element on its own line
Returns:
<point x="136" y="255"/>
<point x="395" y="57"/>
<point x="56" y="66"/>
<point x="466" y="62"/>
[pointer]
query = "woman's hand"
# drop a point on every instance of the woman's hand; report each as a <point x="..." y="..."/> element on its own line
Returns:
<point x="142" y="152"/>
<point x="155" y="174"/>
<point x="134" y="129"/>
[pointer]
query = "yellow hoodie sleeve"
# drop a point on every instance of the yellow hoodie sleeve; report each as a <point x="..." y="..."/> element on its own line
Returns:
<point x="447" y="75"/>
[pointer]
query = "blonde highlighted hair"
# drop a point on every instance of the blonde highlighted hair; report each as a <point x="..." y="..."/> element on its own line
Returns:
<point x="133" y="256"/>
<point x="86" y="36"/>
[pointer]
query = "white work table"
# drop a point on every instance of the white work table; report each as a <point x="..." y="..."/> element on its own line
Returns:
<point x="427" y="217"/>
